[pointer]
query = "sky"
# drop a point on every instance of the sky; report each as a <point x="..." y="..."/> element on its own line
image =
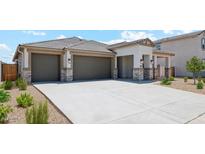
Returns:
<point x="9" y="39"/>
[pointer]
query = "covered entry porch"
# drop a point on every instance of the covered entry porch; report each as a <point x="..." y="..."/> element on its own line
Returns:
<point x="146" y="66"/>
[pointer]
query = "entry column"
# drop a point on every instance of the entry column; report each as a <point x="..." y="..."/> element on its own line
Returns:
<point x="155" y="69"/>
<point x="138" y="72"/>
<point x="168" y="67"/>
<point x="115" y="70"/>
<point x="67" y="71"/>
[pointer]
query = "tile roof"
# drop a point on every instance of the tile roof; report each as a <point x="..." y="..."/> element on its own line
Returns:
<point x="146" y="42"/>
<point x="71" y="43"/>
<point x="56" y="44"/>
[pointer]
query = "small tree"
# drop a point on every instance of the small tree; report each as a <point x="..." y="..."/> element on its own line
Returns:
<point x="195" y="66"/>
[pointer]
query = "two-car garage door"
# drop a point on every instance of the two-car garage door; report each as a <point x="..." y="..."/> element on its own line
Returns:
<point x="46" y="67"/>
<point x="89" y="68"/>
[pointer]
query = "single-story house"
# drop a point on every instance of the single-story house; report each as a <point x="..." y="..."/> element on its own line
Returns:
<point x="79" y="59"/>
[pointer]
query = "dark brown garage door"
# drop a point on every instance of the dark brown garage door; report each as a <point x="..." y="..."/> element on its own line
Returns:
<point x="90" y="68"/>
<point x="45" y="67"/>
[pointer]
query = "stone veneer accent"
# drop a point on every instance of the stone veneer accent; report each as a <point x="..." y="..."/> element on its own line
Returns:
<point x="66" y="75"/>
<point x="167" y="72"/>
<point x="26" y="75"/>
<point x="148" y="73"/>
<point x="156" y="74"/>
<point x="138" y="74"/>
<point x="115" y="73"/>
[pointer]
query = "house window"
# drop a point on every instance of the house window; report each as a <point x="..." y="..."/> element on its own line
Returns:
<point x="158" y="46"/>
<point x="203" y="43"/>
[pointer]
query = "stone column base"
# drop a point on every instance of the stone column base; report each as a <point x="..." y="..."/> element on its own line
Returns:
<point x="115" y="74"/>
<point x="26" y="75"/>
<point x="167" y="72"/>
<point x="138" y="74"/>
<point x="156" y="74"/>
<point x="148" y="73"/>
<point x="66" y="75"/>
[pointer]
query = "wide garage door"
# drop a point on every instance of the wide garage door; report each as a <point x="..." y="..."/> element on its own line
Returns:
<point x="45" y="67"/>
<point x="90" y="68"/>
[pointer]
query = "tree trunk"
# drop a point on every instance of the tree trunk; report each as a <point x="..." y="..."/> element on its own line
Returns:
<point x="194" y="77"/>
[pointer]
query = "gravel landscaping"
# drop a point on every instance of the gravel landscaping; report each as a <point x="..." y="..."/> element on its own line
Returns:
<point x="17" y="116"/>
<point x="179" y="83"/>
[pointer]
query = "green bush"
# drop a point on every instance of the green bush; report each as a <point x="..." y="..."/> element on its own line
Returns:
<point x="2" y="86"/>
<point x="22" y="84"/>
<point x="24" y="100"/>
<point x="171" y="78"/>
<point x="4" y="110"/>
<point x="17" y="81"/>
<point x="7" y="84"/>
<point x="199" y="79"/>
<point x="200" y="85"/>
<point x="4" y="96"/>
<point x="185" y="79"/>
<point x="166" y="81"/>
<point x="38" y="114"/>
<point x="203" y="80"/>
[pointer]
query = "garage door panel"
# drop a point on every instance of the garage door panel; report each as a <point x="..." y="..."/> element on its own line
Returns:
<point x="88" y="68"/>
<point x="45" y="67"/>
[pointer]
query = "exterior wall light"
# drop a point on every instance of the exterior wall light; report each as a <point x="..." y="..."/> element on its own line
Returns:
<point x="69" y="60"/>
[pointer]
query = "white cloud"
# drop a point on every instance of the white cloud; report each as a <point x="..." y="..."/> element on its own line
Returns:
<point x="35" y="33"/>
<point x="80" y="37"/>
<point x="186" y="31"/>
<point x="176" y="32"/>
<point x="5" y="53"/>
<point x="131" y="36"/>
<point x="170" y="32"/>
<point x="61" y="37"/>
<point x="4" y="47"/>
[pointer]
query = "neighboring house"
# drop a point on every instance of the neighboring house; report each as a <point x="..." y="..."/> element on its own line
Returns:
<point x="184" y="47"/>
<point x="79" y="59"/>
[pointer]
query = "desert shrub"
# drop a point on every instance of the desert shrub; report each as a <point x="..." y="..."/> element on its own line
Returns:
<point x="185" y="79"/>
<point x="4" y="96"/>
<point x="37" y="114"/>
<point x="2" y="86"/>
<point x="7" y="84"/>
<point x="166" y="81"/>
<point x="171" y="78"/>
<point x="24" y="100"/>
<point x="19" y="79"/>
<point x="200" y="85"/>
<point x="22" y="84"/>
<point x="199" y="79"/>
<point x="4" y="110"/>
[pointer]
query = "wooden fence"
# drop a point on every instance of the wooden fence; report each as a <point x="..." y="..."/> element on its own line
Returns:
<point x="9" y="72"/>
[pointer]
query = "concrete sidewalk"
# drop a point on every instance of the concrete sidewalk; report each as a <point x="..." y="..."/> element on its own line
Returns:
<point x="113" y="101"/>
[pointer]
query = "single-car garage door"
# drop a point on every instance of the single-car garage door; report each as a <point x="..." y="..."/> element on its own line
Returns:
<point x="89" y="68"/>
<point x="45" y="67"/>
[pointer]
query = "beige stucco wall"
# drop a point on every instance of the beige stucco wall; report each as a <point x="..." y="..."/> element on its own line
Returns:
<point x="184" y="49"/>
<point x="136" y="50"/>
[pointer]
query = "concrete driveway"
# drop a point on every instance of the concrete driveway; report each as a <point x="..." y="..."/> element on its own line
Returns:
<point x="113" y="101"/>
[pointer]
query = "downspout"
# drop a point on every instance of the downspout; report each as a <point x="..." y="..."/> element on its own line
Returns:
<point x="18" y="61"/>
